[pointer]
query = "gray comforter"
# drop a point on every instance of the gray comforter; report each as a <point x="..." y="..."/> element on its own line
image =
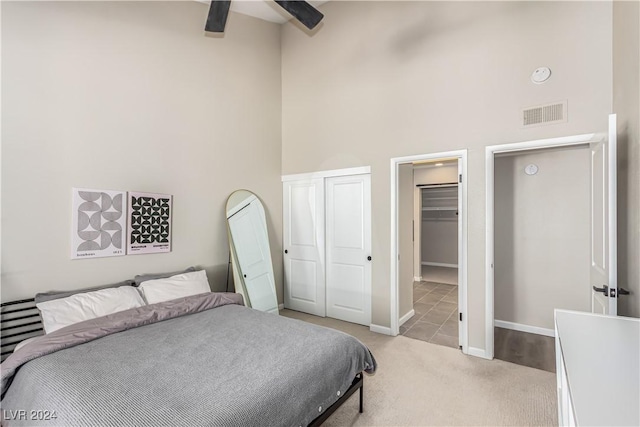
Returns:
<point x="201" y="360"/>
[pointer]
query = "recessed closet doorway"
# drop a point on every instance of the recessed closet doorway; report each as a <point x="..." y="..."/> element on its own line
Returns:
<point x="551" y="239"/>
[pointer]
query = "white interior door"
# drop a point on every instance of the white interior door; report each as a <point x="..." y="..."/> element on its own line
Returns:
<point x="303" y="235"/>
<point x="348" y="216"/>
<point x="251" y="245"/>
<point x="604" y="288"/>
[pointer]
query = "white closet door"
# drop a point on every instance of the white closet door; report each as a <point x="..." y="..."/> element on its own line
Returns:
<point x="251" y="245"/>
<point x="348" y="211"/>
<point x="303" y="235"/>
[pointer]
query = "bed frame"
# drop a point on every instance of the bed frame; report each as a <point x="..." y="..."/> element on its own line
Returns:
<point x="21" y="320"/>
<point x="357" y="384"/>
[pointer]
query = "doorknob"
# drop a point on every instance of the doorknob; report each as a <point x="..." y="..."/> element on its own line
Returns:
<point x="604" y="289"/>
<point x="245" y="276"/>
<point x="622" y="291"/>
<point x="286" y="251"/>
<point x="368" y="258"/>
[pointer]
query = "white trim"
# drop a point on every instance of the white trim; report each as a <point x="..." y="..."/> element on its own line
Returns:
<point x="327" y="174"/>
<point x="439" y="264"/>
<point x="280" y="306"/>
<point x="612" y="221"/>
<point x="380" y="329"/>
<point x="546" y="143"/>
<point x="524" y="328"/>
<point x="417" y="278"/>
<point x="406" y="317"/>
<point x="461" y="156"/>
<point x="490" y="153"/>
<point x="478" y="352"/>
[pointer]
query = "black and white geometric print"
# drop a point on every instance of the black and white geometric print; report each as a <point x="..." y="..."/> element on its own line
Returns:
<point x="98" y="223"/>
<point x="149" y="228"/>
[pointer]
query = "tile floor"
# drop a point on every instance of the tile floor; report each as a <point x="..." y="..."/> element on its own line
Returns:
<point x="436" y="314"/>
<point x="522" y="348"/>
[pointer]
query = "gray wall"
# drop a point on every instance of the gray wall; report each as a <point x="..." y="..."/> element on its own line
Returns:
<point x="405" y="238"/>
<point x="133" y="96"/>
<point x="390" y="79"/>
<point x="542" y="235"/>
<point x="626" y="100"/>
<point x="446" y="234"/>
<point x="438" y="239"/>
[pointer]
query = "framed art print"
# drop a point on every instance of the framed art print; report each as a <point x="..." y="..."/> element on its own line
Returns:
<point x="98" y="223"/>
<point x="149" y="229"/>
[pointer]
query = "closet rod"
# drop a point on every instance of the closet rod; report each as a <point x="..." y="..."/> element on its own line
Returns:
<point x="443" y="185"/>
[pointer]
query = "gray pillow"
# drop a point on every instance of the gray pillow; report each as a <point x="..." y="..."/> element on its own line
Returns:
<point x="144" y="277"/>
<point x="48" y="296"/>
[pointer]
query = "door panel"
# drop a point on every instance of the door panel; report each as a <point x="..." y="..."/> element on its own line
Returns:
<point x="251" y="245"/>
<point x="303" y="236"/>
<point x="603" y="223"/>
<point x="348" y="216"/>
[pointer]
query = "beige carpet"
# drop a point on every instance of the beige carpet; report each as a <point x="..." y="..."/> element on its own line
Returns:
<point x="421" y="384"/>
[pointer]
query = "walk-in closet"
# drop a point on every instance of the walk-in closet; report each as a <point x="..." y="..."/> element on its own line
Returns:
<point x="435" y="195"/>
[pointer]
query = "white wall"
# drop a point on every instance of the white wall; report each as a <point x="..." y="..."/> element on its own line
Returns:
<point x="626" y="104"/>
<point x="133" y="96"/>
<point x="542" y="235"/>
<point x="388" y="79"/>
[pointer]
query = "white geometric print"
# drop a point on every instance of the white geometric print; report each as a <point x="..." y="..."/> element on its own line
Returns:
<point x="98" y="223"/>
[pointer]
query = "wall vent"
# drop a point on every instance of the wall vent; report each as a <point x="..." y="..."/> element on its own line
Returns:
<point x="545" y="114"/>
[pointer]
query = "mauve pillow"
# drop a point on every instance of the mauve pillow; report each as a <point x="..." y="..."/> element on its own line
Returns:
<point x="48" y="296"/>
<point x="144" y="277"/>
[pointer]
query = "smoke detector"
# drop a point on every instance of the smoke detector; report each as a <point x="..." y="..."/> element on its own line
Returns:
<point x="541" y="75"/>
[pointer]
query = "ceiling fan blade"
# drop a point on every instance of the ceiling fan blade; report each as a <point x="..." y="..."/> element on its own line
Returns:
<point x="217" y="18"/>
<point x="308" y="15"/>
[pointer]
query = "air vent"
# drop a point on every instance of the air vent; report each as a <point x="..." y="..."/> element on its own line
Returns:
<point x="545" y="114"/>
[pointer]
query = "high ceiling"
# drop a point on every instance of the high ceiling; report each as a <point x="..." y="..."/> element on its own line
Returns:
<point x="263" y="9"/>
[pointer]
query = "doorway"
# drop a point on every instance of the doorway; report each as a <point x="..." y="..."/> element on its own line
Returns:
<point x="429" y="254"/>
<point x="553" y="234"/>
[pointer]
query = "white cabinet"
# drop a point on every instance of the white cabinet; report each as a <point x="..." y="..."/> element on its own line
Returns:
<point x="598" y="369"/>
<point x="327" y="246"/>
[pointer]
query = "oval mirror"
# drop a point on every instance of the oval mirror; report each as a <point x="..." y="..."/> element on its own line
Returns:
<point x="250" y="252"/>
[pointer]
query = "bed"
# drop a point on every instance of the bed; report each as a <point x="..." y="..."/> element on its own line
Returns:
<point x="204" y="359"/>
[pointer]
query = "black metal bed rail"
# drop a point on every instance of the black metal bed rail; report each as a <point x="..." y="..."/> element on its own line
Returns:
<point x="357" y="384"/>
<point x="16" y="328"/>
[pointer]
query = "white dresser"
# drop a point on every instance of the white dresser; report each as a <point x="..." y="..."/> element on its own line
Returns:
<point x="598" y="366"/>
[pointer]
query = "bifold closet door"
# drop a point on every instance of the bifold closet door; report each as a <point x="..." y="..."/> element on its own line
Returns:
<point x="348" y="250"/>
<point x="303" y="236"/>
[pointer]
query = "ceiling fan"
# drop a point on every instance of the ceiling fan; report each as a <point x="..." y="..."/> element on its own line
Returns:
<point x="308" y="15"/>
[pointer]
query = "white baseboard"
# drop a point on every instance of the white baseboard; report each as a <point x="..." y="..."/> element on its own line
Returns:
<point x="417" y="278"/>
<point x="477" y="352"/>
<point x="406" y="317"/>
<point x="439" y="264"/>
<point x="280" y="306"/>
<point x="524" y="328"/>
<point x="380" y="329"/>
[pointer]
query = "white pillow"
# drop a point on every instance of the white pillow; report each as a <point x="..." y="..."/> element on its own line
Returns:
<point x="178" y="286"/>
<point x="62" y="312"/>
